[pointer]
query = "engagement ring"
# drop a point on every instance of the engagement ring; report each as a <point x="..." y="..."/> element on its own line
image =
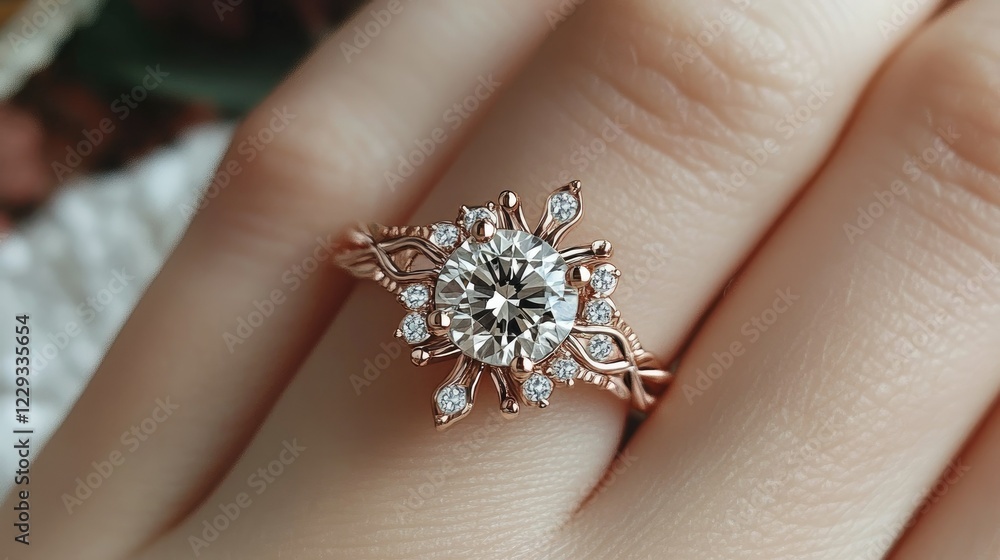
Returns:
<point x="503" y="298"/>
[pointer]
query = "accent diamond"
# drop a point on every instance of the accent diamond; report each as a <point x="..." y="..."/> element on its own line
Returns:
<point x="565" y="369"/>
<point x="415" y="296"/>
<point x="537" y="388"/>
<point x="414" y="328"/>
<point x="600" y="347"/>
<point x="444" y="235"/>
<point x="478" y="213"/>
<point x="603" y="281"/>
<point x="509" y="298"/>
<point x="451" y="399"/>
<point x="564" y="206"/>
<point x="598" y="312"/>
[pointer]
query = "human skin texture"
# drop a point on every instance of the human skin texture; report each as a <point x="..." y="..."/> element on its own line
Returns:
<point x="803" y="198"/>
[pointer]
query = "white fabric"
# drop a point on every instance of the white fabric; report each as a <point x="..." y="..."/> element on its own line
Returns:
<point x="90" y="238"/>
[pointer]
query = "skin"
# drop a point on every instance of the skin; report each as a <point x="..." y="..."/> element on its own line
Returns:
<point x="851" y="357"/>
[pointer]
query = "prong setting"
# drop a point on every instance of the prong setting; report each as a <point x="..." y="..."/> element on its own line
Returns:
<point x="521" y="368"/>
<point x="578" y="276"/>
<point x="483" y="230"/>
<point x="438" y="322"/>
<point x="509" y="201"/>
<point x="602" y="248"/>
<point x="469" y="216"/>
<point x="512" y="213"/>
<point x="502" y="297"/>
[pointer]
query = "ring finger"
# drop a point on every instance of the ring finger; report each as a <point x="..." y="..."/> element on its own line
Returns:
<point x="824" y="396"/>
<point x="696" y="121"/>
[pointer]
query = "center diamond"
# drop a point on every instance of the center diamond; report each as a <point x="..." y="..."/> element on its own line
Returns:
<point x="509" y="298"/>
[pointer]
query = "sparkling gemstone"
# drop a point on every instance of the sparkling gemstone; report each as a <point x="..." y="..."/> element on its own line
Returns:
<point x="415" y="296"/>
<point x="508" y="297"/>
<point x="444" y="235"/>
<point x="414" y="327"/>
<point x="603" y="281"/>
<point x="563" y="206"/>
<point x="537" y="387"/>
<point x="600" y="347"/>
<point x="565" y="368"/>
<point x="451" y="399"/>
<point x="478" y="213"/>
<point x="597" y="312"/>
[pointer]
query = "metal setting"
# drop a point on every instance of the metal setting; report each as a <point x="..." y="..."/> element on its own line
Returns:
<point x="502" y="298"/>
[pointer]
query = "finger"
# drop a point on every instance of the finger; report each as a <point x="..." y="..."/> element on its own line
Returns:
<point x="654" y="191"/>
<point x="857" y="350"/>
<point x="247" y="291"/>
<point x="958" y="516"/>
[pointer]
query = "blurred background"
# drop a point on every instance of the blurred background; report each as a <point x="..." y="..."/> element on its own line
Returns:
<point x="113" y="116"/>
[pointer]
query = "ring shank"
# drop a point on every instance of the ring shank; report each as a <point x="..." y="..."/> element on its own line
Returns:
<point x="386" y="255"/>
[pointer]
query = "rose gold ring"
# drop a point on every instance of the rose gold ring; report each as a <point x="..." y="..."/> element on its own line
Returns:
<point x="493" y="293"/>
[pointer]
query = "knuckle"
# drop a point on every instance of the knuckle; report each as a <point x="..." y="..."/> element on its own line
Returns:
<point x="709" y="88"/>
<point x="325" y="149"/>
<point x="951" y="165"/>
<point x="293" y="166"/>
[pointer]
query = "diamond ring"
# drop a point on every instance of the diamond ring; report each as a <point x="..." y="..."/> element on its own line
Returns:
<point x="500" y="297"/>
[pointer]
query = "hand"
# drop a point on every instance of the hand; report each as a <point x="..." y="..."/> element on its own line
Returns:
<point x="841" y="155"/>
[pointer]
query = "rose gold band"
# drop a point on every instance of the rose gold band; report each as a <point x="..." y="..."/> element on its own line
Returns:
<point x="593" y="346"/>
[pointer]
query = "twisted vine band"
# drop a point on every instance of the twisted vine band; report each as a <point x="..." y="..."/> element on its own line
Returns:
<point x="500" y="297"/>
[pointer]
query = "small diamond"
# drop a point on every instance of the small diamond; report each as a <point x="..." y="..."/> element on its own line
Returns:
<point x="603" y="281"/>
<point x="600" y="347"/>
<point x="415" y="296"/>
<point x="598" y="312"/>
<point x="414" y="327"/>
<point x="444" y="235"/>
<point x="565" y="369"/>
<point x="478" y="213"/>
<point x="563" y="206"/>
<point x="537" y="388"/>
<point x="451" y="399"/>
